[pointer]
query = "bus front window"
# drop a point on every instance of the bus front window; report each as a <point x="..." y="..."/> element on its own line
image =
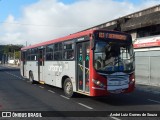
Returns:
<point x="112" y="57"/>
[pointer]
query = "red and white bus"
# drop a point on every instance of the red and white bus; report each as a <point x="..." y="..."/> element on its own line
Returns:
<point x="92" y="62"/>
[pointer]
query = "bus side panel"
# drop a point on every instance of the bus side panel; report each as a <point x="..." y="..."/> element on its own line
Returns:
<point x="67" y="70"/>
<point x="55" y="70"/>
<point x="49" y="73"/>
<point x="35" y="72"/>
<point x="23" y="69"/>
<point x="32" y="66"/>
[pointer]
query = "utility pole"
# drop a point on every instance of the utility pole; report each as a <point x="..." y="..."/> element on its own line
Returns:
<point x="26" y="43"/>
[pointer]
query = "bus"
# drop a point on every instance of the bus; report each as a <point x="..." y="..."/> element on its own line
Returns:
<point x="91" y="62"/>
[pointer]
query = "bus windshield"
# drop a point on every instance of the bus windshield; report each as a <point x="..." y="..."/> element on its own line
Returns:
<point x="110" y="57"/>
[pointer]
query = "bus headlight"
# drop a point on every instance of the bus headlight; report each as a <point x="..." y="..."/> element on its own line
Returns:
<point x="97" y="82"/>
<point x="132" y="78"/>
<point x="132" y="81"/>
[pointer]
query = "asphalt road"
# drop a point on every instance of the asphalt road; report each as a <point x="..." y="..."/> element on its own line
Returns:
<point x="18" y="94"/>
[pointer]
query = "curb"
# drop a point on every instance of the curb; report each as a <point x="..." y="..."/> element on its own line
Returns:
<point x="12" y="66"/>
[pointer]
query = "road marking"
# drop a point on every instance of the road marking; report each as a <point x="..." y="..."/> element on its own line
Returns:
<point x="85" y="105"/>
<point x="65" y="97"/>
<point x="41" y="87"/>
<point x="115" y="118"/>
<point x="154" y="101"/>
<point x="147" y="90"/>
<point x="14" y="75"/>
<point x="156" y="92"/>
<point x="51" y="91"/>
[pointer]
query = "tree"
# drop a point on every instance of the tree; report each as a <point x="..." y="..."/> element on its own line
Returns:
<point x="17" y="55"/>
<point x="13" y="51"/>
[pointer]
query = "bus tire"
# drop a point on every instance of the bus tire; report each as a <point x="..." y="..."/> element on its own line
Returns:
<point x="31" y="77"/>
<point x="68" y="88"/>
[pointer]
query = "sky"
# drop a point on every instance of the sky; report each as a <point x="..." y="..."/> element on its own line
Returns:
<point x="34" y="21"/>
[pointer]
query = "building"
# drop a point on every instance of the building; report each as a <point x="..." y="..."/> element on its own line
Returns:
<point x="139" y="24"/>
<point x="144" y="26"/>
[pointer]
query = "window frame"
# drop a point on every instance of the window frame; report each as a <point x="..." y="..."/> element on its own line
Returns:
<point x="66" y="49"/>
<point x="34" y="54"/>
<point x="49" y="52"/>
<point x="58" y="52"/>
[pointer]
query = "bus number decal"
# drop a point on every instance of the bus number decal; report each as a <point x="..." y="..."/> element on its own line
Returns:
<point x="55" y="68"/>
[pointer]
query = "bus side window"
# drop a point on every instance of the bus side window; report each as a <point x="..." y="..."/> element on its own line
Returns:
<point x="68" y="55"/>
<point x="68" y="52"/>
<point x="58" y="51"/>
<point x="33" y="55"/>
<point x="49" y="52"/>
<point x="28" y="54"/>
<point x="23" y="57"/>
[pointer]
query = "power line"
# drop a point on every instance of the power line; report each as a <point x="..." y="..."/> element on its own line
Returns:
<point x="23" y="24"/>
<point x="27" y="24"/>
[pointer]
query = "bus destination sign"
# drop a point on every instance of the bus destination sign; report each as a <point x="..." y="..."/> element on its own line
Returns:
<point x="104" y="35"/>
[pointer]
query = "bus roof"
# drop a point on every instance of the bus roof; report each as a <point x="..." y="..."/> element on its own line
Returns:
<point x="69" y="37"/>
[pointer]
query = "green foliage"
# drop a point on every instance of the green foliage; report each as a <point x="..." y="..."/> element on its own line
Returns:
<point x="12" y="50"/>
<point x="17" y="55"/>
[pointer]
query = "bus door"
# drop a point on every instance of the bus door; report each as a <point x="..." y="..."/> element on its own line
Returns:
<point x="83" y="66"/>
<point x="23" y="64"/>
<point x="40" y="65"/>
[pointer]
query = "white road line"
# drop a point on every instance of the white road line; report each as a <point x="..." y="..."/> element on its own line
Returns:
<point x="14" y="75"/>
<point x="115" y="118"/>
<point x="156" y="92"/>
<point x="41" y="87"/>
<point x="154" y="101"/>
<point x="147" y="90"/>
<point x="85" y="105"/>
<point x="65" y="97"/>
<point x="51" y="91"/>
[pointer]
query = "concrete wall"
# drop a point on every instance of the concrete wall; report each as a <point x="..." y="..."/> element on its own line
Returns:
<point x="148" y="67"/>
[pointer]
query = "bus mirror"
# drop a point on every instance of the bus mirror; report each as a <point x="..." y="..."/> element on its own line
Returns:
<point x="103" y="56"/>
<point x="92" y="45"/>
<point x="133" y="54"/>
<point x="93" y="48"/>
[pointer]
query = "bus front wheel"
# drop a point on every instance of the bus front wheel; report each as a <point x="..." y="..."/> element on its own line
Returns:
<point x="68" y="88"/>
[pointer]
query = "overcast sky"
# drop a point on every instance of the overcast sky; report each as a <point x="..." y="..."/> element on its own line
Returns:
<point x="41" y="20"/>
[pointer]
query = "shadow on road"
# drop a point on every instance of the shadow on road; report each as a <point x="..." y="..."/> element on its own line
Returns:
<point x="131" y="99"/>
<point x="9" y="69"/>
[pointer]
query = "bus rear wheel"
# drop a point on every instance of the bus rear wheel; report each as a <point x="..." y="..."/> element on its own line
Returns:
<point x="31" y="77"/>
<point x="68" y="88"/>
